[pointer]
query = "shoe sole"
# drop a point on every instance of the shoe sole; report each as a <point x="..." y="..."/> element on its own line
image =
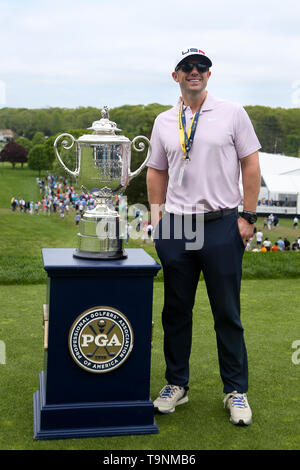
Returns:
<point x="241" y="422"/>
<point x="171" y="410"/>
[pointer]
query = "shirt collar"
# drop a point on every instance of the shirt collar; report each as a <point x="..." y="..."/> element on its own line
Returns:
<point x="209" y="103"/>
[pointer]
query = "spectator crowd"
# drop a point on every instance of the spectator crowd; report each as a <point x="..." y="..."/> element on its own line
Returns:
<point x="57" y="196"/>
<point x="281" y="203"/>
<point x="259" y="243"/>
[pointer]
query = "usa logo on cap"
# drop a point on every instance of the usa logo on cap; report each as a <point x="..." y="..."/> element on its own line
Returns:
<point x="184" y="53"/>
<point x="193" y="50"/>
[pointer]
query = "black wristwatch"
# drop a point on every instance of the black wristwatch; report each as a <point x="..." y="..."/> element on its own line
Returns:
<point x="251" y="217"/>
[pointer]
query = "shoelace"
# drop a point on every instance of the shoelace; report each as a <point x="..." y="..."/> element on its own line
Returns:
<point x="168" y="391"/>
<point x="238" y="400"/>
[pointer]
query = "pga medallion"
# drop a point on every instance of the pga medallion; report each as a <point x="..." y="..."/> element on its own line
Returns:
<point x="100" y="339"/>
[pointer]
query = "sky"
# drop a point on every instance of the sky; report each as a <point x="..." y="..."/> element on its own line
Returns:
<point x="95" y="52"/>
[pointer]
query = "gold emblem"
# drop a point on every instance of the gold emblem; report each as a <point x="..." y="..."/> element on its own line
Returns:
<point x="100" y="339"/>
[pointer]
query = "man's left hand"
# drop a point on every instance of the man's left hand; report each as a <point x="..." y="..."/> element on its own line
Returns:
<point x="246" y="229"/>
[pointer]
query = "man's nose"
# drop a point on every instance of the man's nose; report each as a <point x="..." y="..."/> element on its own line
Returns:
<point x="194" y="69"/>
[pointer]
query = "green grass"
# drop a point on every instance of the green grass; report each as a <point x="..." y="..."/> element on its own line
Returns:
<point x="23" y="236"/>
<point x="269" y="321"/>
<point x="270" y="312"/>
<point x="18" y="182"/>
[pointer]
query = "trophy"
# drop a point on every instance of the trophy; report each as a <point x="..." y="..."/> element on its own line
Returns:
<point x="103" y="171"/>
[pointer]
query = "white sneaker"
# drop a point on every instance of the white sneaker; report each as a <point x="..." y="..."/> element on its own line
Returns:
<point x="169" y="397"/>
<point x="240" y="411"/>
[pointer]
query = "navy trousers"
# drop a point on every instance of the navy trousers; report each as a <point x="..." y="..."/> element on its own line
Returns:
<point x="220" y="260"/>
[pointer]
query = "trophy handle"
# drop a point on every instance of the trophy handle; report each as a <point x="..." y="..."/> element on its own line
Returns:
<point x="67" y="147"/>
<point x="140" y="148"/>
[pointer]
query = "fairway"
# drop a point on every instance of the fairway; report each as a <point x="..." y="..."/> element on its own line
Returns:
<point x="270" y="330"/>
<point x="270" y="302"/>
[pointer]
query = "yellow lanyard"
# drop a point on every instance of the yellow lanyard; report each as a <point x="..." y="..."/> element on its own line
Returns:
<point x="187" y="138"/>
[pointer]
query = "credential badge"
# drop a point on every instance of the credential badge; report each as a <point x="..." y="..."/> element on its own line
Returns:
<point x="100" y="339"/>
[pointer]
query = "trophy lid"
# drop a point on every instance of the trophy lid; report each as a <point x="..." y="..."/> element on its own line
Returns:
<point x="103" y="131"/>
<point x="104" y="125"/>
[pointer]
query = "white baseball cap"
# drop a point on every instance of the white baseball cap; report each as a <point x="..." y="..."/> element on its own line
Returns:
<point x="183" y="54"/>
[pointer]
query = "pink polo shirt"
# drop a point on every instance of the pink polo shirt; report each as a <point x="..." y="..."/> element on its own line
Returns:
<point x="224" y="135"/>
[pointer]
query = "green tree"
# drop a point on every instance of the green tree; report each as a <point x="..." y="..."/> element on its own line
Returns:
<point x="269" y="132"/>
<point x="38" y="138"/>
<point x="38" y="158"/>
<point x="49" y="149"/>
<point x="293" y="145"/>
<point x="57" y="122"/>
<point x="26" y="143"/>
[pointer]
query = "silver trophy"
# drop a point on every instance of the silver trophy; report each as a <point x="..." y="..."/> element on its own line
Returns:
<point x="103" y="171"/>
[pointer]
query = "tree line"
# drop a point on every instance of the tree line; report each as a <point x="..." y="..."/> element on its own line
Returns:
<point x="278" y="130"/>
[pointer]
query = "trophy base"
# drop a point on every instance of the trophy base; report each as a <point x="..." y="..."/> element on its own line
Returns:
<point x="99" y="236"/>
<point x="105" y="255"/>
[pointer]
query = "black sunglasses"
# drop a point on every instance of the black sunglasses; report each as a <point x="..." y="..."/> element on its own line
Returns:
<point x="187" y="67"/>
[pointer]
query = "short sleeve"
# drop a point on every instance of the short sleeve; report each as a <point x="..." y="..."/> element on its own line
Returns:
<point x="158" y="158"/>
<point x="245" y="139"/>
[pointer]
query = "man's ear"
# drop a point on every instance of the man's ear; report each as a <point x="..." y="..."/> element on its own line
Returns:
<point x="175" y="76"/>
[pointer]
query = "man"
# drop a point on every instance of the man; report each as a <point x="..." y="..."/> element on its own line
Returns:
<point x="267" y="244"/>
<point x="188" y="170"/>
<point x="280" y="243"/>
<point x="275" y="247"/>
<point x="259" y="237"/>
<point x="295" y="222"/>
<point x="270" y="221"/>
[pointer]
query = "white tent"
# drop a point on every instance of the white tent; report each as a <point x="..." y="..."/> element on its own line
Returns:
<point x="275" y="164"/>
<point x="282" y="184"/>
<point x="280" y="181"/>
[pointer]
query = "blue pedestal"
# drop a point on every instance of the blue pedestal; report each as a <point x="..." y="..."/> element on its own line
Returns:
<point x="75" y="400"/>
